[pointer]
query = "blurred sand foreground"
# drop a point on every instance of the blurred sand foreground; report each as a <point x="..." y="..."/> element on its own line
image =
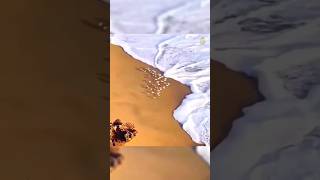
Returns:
<point x="160" y="163"/>
<point x="152" y="117"/>
<point x="52" y="114"/>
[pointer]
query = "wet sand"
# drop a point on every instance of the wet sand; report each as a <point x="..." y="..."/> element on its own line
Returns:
<point x="53" y="116"/>
<point x="160" y="163"/>
<point x="152" y="117"/>
<point x="232" y="92"/>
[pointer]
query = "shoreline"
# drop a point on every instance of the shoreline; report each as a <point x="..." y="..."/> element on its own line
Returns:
<point x="193" y="112"/>
<point x="165" y="131"/>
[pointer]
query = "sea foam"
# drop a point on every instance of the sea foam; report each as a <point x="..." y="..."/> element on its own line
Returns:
<point x="165" y="17"/>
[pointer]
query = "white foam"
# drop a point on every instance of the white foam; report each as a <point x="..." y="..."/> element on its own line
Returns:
<point x="165" y="17"/>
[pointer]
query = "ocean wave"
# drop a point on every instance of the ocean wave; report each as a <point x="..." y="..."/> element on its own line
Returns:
<point x="167" y="17"/>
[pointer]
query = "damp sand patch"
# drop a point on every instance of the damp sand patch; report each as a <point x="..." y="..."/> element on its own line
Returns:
<point x="233" y="91"/>
<point x="158" y="163"/>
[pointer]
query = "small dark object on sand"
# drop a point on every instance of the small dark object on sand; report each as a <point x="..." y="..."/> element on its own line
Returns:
<point x="121" y="133"/>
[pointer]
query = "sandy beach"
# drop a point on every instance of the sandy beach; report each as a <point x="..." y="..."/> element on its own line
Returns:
<point x="160" y="163"/>
<point x="53" y="116"/>
<point x="152" y="117"/>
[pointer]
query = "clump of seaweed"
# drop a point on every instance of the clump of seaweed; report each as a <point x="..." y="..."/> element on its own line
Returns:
<point x="121" y="133"/>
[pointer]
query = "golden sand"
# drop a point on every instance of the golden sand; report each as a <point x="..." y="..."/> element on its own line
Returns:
<point x="160" y="163"/>
<point x="52" y="111"/>
<point x="153" y="118"/>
